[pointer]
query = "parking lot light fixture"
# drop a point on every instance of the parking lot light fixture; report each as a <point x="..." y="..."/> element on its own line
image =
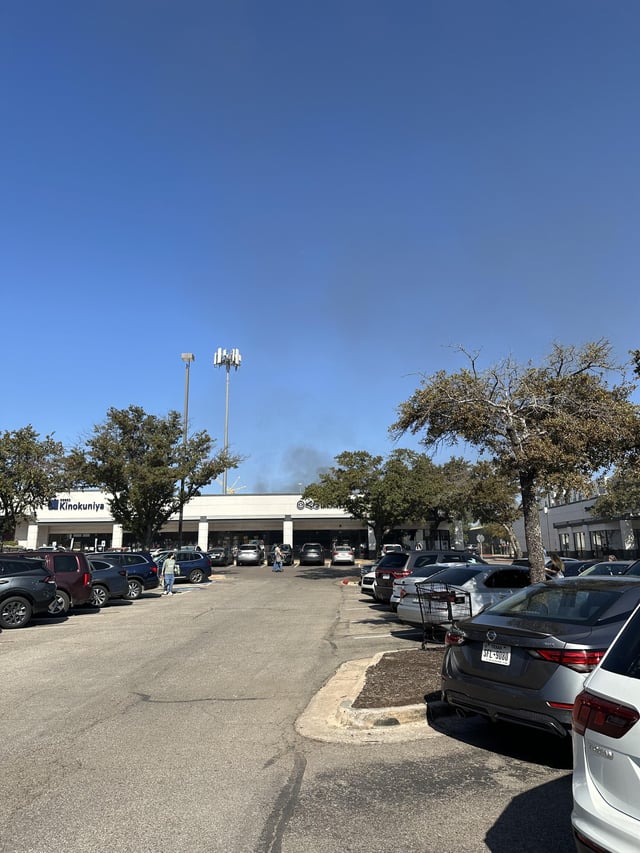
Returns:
<point x="227" y="359"/>
<point x="187" y="357"/>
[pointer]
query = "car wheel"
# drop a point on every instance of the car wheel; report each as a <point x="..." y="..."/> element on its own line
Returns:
<point x="196" y="576"/>
<point x="60" y="604"/>
<point x="15" y="612"/>
<point x="135" y="589"/>
<point x="99" y="596"/>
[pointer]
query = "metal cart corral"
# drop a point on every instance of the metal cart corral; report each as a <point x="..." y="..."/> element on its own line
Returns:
<point x="441" y="604"/>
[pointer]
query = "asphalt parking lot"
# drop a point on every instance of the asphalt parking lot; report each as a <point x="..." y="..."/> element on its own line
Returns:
<point x="170" y="723"/>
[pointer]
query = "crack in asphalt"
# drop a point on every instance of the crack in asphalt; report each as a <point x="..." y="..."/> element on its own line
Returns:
<point x="146" y="697"/>
<point x="270" y="840"/>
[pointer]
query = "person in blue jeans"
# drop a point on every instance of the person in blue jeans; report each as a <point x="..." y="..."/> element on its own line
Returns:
<point x="277" y="560"/>
<point x="169" y="573"/>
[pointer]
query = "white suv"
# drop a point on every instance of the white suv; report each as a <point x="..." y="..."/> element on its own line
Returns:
<point x="606" y="750"/>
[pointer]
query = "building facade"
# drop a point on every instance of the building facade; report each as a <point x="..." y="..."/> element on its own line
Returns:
<point x="571" y="529"/>
<point x="82" y="519"/>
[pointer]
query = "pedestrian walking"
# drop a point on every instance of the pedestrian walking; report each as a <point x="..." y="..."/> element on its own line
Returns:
<point x="277" y="560"/>
<point x="169" y="573"/>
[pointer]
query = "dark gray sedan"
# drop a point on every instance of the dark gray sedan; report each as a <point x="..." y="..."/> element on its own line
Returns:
<point x="524" y="660"/>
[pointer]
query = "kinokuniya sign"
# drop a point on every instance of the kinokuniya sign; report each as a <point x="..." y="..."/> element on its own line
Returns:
<point x="67" y="504"/>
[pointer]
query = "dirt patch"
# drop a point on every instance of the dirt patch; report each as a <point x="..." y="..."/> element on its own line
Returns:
<point x="402" y="678"/>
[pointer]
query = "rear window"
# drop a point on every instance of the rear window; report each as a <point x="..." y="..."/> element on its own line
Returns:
<point x="559" y="603"/>
<point x="624" y="655"/>
<point x="19" y="567"/>
<point x="426" y="571"/>
<point x="456" y="576"/>
<point x="65" y="563"/>
<point x="394" y="560"/>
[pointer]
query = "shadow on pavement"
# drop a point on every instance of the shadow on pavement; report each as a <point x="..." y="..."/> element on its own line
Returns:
<point x="536" y="820"/>
<point x="312" y="573"/>
<point x="508" y="739"/>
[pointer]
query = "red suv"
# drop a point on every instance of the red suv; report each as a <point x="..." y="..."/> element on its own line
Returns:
<point x="72" y="573"/>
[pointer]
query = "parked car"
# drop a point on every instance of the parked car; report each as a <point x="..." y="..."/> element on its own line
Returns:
<point x="368" y="583"/>
<point x="72" y="573"/>
<point x="108" y="581"/>
<point x="220" y="556"/>
<point x="249" y="555"/>
<point x="407" y="585"/>
<point x="390" y="548"/>
<point x="610" y="567"/>
<point x="365" y="568"/>
<point x="27" y="587"/>
<point x="312" y="552"/>
<point x="524" y="660"/>
<point x="287" y="555"/>
<point x="343" y="554"/>
<point x="400" y="564"/>
<point x="462" y="591"/>
<point x="142" y="569"/>
<point x="606" y="750"/>
<point x="194" y="566"/>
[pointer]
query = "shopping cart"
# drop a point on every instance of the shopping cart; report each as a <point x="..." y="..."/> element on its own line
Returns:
<point x="440" y="605"/>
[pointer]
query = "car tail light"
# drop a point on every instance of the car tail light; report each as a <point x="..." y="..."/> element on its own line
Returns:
<point x="399" y="573"/>
<point x="49" y="579"/>
<point x="580" y="660"/>
<point x="86" y="579"/>
<point x="154" y="568"/>
<point x="454" y="638"/>
<point x="588" y="844"/>
<point x="601" y="715"/>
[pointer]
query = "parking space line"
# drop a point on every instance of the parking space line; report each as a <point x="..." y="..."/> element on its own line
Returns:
<point x="372" y="636"/>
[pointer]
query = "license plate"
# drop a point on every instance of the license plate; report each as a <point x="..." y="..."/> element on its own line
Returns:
<point x="386" y="577"/>
<point x="495" y="653"/>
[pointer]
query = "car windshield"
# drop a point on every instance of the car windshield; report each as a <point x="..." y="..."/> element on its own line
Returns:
<point x="559" y="603"/>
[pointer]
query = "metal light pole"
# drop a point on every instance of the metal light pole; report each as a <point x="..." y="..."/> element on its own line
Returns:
<point x="187" y="357"/>
<point x="222" y="358"/>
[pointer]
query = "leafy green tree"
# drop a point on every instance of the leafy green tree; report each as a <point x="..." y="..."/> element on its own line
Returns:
<point x="546" y="426"/>
<point x="31" y="473"/>
<point x="492" y="499"/>
<point x="146" y="467"/>
<point x="622" y="497"/>
<point x="385" y="494"/>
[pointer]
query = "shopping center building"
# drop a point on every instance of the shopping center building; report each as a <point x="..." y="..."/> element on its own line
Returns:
<point x="81" y="519"/>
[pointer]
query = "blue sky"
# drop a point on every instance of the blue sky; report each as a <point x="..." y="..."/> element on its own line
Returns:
<point x="344" y="191"/>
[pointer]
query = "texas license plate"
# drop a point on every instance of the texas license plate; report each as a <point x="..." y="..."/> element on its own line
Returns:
<point x="386" y="577"/>
<point x="495" y="653"/>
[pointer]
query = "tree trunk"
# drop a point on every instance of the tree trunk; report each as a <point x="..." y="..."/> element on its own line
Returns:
<point x="532" y="531"/>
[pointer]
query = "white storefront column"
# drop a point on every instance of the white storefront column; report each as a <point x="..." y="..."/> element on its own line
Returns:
<point x="287" y="531"/>
<point x="32" y="535"/>
<point x="116" y="536"/>
<point x="203" y="533"/>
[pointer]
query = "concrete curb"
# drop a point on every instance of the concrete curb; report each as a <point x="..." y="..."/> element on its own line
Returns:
<point x="331" y="717"/>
